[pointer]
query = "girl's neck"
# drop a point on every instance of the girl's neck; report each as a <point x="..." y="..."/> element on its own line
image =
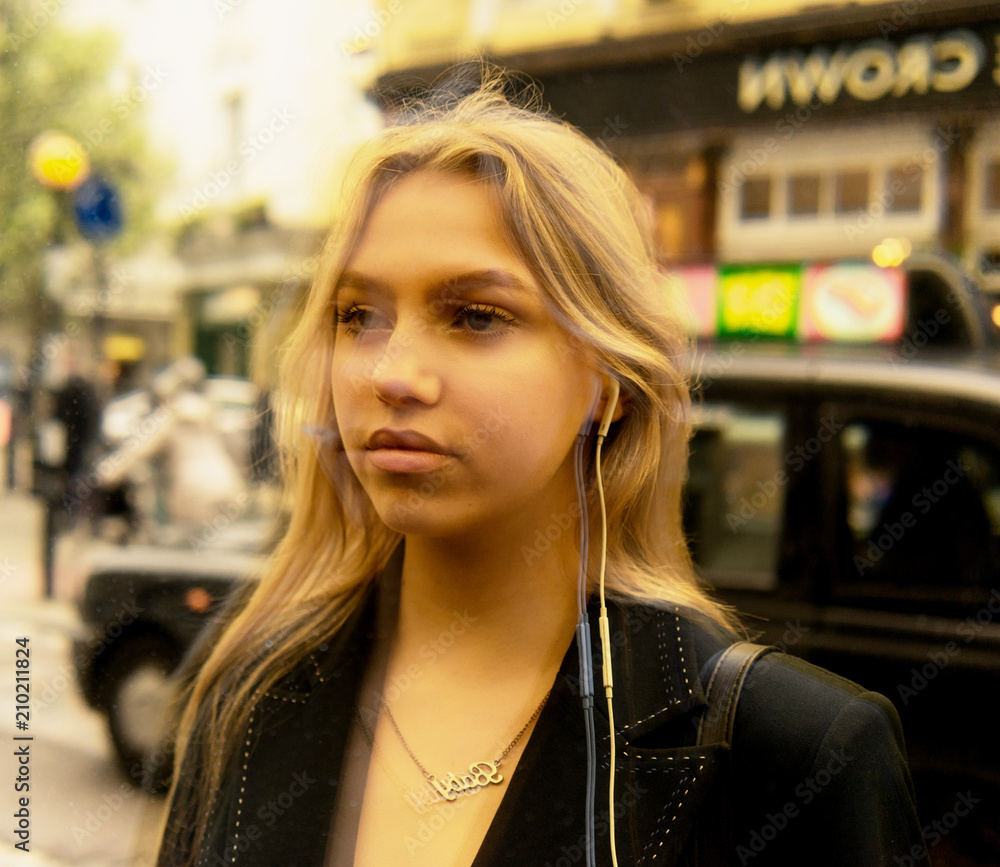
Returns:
<point x="496" y="597"/>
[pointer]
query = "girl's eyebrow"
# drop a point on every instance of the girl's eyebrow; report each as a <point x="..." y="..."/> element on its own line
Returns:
<point x="357" y="280"/>
<point x="486" y="278"/>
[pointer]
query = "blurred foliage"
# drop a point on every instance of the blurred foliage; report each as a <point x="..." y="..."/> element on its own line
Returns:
<point x="56" y="79"/>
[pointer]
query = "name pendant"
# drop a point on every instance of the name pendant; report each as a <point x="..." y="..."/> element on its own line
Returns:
<point x="453" y="786"/>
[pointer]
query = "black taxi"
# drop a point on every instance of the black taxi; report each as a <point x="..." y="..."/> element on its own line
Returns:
<point x="844" y="494"/>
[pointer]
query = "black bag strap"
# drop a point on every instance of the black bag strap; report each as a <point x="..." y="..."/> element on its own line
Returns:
<point x="716" y="726"/>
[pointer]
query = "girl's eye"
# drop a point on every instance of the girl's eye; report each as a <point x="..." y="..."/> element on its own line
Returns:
<point x="483" y="319"/>
<point x="355" y="319"/>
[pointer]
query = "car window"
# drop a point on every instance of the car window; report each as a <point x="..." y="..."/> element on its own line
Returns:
<point x="735" y="495"/>
<point x="922" y="507"/>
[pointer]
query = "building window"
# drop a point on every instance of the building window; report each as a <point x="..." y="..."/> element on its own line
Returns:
<point x="992" y="191"/>
<point x="803" y="195"/>
<point x="755" y="202"/>
<point x="851" y="191"/>
<point x="903" y="187"/>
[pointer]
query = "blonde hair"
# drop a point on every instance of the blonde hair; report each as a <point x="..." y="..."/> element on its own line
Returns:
<point x="581" y="226"/>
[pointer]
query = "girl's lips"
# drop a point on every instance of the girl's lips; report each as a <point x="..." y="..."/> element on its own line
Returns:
<point x="385" y="438"/>
<point x="405" y="451"/>
<point x="397" y="460"/>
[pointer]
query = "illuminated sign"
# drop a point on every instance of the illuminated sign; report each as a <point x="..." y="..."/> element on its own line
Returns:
<point x="758" y="300"/>
<point x="945" y="63"/>
<point x="844" y="302"/>
<point x="853" y="302"/>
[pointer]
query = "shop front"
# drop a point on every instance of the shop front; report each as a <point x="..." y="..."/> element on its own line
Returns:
<point x="817" y="143"/>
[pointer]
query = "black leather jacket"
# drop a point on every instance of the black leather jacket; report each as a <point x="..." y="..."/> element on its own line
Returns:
<point x="817" y="771"/>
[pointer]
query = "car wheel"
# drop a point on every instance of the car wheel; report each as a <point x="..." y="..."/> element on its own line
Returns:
<point x="138" y="689"/>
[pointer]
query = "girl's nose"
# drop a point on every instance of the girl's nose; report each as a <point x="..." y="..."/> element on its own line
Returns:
<point x="405" y="372"/>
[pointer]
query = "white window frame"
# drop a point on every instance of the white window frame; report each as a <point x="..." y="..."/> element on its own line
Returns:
<point x="827" y="152"/>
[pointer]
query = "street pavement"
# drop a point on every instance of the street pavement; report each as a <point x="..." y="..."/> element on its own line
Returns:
<point x="82" y="811"/>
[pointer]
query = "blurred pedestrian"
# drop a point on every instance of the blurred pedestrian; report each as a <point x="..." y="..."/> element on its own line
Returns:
<point x="176" y="458"/>
<point x="65" y="442"/>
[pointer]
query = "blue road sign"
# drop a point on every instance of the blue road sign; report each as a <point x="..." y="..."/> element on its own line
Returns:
<point x="97" y="209"/>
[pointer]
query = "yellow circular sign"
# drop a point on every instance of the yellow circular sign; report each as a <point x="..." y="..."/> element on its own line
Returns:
<point x="59" y="161"/>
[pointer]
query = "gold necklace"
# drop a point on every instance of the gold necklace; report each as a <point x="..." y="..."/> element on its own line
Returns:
<point x="452" y="785"/>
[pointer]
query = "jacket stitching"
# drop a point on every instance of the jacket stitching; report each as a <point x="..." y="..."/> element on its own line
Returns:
<point x="243" y="786"/>
<point x="664" y="672"/>
<point x="680" y="803"/>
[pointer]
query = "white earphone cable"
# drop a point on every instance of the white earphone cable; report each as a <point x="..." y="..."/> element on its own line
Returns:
<point x="605" y="628"/>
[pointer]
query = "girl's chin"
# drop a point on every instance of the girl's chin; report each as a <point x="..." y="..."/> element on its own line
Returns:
<point x="417" y="519"/>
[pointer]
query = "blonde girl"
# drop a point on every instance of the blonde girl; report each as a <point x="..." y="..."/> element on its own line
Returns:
<point x="408" y="682"/>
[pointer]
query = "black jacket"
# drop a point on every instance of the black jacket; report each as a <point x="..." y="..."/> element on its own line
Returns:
<point x="818" y="773"/>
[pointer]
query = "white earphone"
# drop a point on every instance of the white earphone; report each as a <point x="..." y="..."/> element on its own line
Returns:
<point x="609" y="411"/>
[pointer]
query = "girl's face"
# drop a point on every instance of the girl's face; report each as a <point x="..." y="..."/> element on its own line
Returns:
<point x="457" y="395"/>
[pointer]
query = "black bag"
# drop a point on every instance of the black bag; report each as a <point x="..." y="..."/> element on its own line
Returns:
<point x="723" y="694"/>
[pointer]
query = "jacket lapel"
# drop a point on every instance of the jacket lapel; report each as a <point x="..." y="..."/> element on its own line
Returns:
<point x="293" y="759"/>
<point x="662" y="783"/>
